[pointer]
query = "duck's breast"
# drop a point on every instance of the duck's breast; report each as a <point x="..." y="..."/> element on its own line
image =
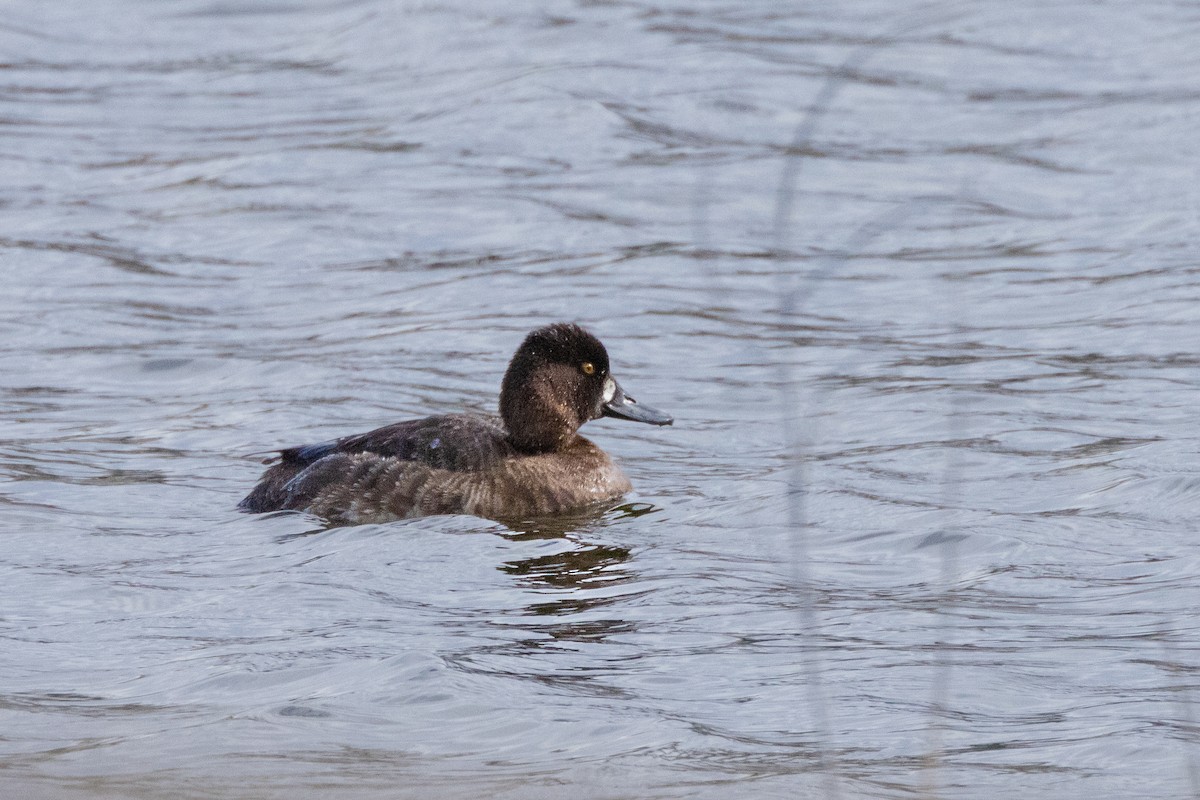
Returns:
<point x="547" y="483"/>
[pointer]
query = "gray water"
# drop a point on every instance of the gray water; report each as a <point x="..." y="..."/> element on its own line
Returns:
<point x="919" y="284"/>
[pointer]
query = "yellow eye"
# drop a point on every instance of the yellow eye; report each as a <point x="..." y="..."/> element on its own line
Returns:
<point x="587" y="367"/>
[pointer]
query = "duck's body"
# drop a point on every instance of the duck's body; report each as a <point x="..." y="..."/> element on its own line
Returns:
<point x="449" y="464"/>
<point x="528" y="462"/>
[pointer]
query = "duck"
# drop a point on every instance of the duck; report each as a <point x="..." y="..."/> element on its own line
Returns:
<point x="527" y="462"/>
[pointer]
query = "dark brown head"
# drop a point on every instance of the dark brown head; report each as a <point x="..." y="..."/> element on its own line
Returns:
<point x="557" y="380"/>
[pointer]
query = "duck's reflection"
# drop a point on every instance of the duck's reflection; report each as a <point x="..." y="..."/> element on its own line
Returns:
<point x="579" y="522"/>
<point x="580" y="579"/>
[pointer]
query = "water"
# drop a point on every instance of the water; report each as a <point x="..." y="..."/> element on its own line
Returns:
<point x="924" y="526"/>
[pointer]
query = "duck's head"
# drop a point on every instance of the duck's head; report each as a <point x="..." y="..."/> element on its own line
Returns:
<point x="557" y="380"/>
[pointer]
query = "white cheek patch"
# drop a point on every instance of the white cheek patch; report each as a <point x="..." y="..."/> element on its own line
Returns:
<point x="610" y="389"/>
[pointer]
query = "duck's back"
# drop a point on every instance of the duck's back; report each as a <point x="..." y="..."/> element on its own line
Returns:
<point x="448" y="464"/>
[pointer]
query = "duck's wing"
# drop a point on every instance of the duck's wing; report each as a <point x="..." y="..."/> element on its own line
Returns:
<point x="454" y="442"/>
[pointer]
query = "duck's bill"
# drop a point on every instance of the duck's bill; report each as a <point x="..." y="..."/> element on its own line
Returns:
<point x="622" y="406"/>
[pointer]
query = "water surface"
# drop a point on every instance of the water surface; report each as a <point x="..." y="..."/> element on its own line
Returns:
<point x="918" y="284"/>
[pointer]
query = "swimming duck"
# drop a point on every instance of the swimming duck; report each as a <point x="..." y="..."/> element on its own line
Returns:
<point x="528" y="462"/>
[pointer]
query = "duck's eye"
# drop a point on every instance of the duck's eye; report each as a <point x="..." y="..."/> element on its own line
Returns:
<point x="588" y="368"/>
